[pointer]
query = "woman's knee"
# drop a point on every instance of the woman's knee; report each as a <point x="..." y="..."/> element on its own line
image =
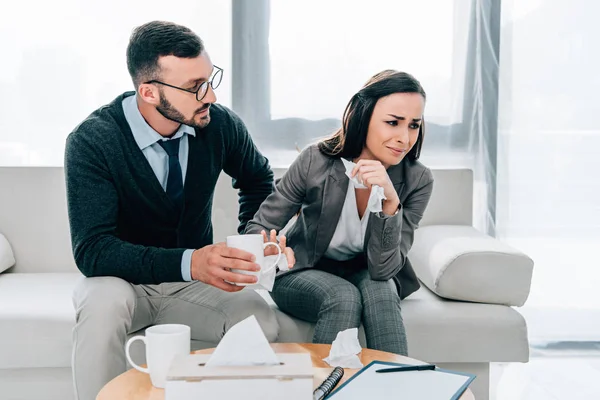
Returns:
<point x="313" y="294"/>
<point x="380" y="294"/>
<point x="343" y="298"/>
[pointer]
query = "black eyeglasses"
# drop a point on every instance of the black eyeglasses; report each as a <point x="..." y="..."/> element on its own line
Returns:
<point x="200" y="93"/>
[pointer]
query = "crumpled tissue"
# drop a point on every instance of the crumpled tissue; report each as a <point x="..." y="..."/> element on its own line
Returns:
<point x="344" y="350"/>
<point x="377" y="196"/>
<point x="266" y="280"/>
<point x="244" y="344"/>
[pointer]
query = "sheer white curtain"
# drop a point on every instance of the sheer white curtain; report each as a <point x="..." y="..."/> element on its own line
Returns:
<point x="62" y="59"/>
<point x="548" y="184"/>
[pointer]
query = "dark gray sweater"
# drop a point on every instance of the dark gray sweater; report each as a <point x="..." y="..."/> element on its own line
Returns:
<point x="123" y="223"/>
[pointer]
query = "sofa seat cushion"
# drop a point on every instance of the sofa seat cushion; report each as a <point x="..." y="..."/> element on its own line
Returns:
<point x="440" y="330"/>
<point x="462" y="263"/>
<point x="37" y="319"/>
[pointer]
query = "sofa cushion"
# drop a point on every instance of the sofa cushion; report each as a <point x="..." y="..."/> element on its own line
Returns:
<point x="7" y="258"/>
<point x="461" y="263"/>
<point x="440" y="330"/>
<point x="37" y="318"/>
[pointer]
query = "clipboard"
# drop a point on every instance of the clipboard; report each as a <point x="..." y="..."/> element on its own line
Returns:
<point x="440" y="384"/>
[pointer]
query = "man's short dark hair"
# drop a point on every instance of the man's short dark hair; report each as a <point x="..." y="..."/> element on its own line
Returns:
<point x="155" y="39"/>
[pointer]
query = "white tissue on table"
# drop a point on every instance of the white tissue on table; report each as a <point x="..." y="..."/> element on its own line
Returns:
<point x="244" y="344"/>
<point x="376" y="197"/>
<point x="266" y="280"/>
<point x="344" y="350"/>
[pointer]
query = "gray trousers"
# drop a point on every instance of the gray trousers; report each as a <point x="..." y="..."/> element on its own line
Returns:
<point x="341" y="295"/>
<point x="108" y="309"/>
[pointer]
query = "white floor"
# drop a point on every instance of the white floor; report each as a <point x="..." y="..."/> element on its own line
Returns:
<point x="567" y="371"/>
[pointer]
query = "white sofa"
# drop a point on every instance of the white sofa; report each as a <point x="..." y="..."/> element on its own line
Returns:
<point x="450" y="257"/>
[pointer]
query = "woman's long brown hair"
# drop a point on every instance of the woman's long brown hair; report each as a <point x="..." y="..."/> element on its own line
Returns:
<point x="350" y="140"/>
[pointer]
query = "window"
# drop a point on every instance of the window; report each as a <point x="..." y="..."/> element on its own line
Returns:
<point x="315" y="71"/>
<point x="305" y="78"/>
<point x="67" y="58"/>
<point x="549" y="136"/>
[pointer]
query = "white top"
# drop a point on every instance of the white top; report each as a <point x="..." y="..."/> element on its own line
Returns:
<point x="349" y="236"/>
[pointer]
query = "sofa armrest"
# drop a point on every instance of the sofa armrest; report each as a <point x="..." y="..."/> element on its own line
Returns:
<point x="7" y="258"/>
<point x="462" y="263"/>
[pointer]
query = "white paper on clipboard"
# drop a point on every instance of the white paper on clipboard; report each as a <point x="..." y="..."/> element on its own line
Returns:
<point x="440" y="384"/>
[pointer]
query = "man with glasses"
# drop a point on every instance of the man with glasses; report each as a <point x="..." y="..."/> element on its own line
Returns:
<point x="141" y="173"/>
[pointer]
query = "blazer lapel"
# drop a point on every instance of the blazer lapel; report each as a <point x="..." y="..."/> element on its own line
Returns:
<point x="334" y="195"/>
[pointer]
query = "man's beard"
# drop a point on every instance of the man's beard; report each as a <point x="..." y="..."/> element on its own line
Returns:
<point x="167" y="110"/>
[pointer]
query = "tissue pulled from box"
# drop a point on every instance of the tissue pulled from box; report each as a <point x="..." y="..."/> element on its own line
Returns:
<point x="344" y="350"/>
<point x="377" y="195"/>
<point x="244" y="344"/>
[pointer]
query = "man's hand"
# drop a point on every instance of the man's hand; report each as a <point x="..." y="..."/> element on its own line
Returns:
<point x="271" y="250"/>
<point x="213" y="264"/>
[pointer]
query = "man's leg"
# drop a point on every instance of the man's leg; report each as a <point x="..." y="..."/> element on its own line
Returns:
<point x="210" y="312"/>
<point x="104" y="315"/>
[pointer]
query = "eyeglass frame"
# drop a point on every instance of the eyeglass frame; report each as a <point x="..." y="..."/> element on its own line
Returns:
<point x="200" y="87"/>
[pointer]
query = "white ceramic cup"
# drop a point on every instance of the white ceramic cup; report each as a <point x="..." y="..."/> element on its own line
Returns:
<point x="163" y="342"/>
<point x="253" y="243"/>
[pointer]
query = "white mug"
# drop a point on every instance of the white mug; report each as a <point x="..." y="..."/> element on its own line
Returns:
<point x="163" y="342"/>
<point x="253" y="243"/>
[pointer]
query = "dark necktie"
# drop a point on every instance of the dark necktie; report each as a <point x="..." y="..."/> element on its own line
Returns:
<point x="175" y="178"/>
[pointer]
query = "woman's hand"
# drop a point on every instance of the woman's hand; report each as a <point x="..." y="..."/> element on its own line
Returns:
<point x="372" y="172"/>
<point x="271" y="250"/>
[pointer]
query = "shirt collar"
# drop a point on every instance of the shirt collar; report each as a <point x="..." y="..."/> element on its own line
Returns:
<point x="143" y="133"/>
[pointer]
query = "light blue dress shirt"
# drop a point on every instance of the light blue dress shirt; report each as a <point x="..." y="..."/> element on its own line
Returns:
<point x="147" y="140"/>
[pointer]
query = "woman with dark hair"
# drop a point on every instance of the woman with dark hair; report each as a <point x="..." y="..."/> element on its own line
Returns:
<point x="359" y="196"/>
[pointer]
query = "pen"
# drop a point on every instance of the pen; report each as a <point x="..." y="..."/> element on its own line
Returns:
<point x="428" y="367"/>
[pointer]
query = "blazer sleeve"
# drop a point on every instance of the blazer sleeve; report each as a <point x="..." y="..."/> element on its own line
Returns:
<point x="392" y="237"/>
<point x="281" y="205"/>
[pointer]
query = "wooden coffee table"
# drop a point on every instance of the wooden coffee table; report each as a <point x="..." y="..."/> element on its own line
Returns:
<point x="136" y="385"/>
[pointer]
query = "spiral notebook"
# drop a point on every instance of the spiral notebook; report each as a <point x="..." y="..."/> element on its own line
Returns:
<point x="440" y="384"/>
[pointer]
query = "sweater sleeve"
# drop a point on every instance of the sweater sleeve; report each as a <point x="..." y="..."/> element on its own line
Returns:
<point x="250" y="171"/>
<point x="93" y="208"/>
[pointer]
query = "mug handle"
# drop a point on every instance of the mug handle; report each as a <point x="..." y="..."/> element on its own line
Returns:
<point x="134" y="365"/>
<point x="278" y="255"/>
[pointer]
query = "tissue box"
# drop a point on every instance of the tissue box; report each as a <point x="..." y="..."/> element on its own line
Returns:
<point x="188" y="378"/>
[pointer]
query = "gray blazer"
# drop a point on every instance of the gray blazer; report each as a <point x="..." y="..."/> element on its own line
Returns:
<point x="316" y="185"/>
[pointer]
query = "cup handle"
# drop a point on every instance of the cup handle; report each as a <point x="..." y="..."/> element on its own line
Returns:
<point x="134" y="365"/>
<point x="278" y="255"/>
